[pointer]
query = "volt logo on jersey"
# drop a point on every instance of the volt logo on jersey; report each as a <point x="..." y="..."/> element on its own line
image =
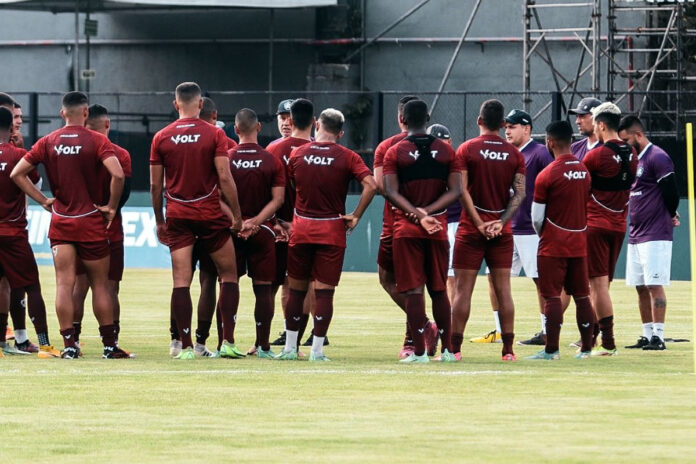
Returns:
<point x="617" y="158"/>
<point x="3" y="166"/>
<point x="185" y="138"/>
<point x="415" y="155"/>
<point x="494" y="155"/>
<point x="319" y="160"/>
<point x="67" y="149"/>
<point x="247" y="164"/>
<point x="575" y="175"/>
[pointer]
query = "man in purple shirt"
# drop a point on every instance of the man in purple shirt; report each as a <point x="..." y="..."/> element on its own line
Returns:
<point x="583" y="119"/>
<point x="653" y="216"/>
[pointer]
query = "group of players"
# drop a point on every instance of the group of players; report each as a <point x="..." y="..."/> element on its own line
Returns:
<point x="557" y="211"/>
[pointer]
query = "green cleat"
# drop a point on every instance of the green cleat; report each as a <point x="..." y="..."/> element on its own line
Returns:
<point x="186" y="353"/>
<point x="230" y="350"/>
<point x="268" y="354"/>
<point x="414" y="358"/>
<point x="601" y="351"/>
<point x="447" y="357"/>
<point x="583" y="354"/>
<point x="287" y="355"/>
<point x="545" y="356"/>
<point x="317" y="357"/>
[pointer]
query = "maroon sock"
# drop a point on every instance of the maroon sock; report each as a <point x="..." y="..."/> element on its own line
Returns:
<point x="585" y="317"/>
<point x="293" y="309"/>
<point x="108" y="334"/>
<point x="606" y="325"/>
<point x="173" y="329"/>
<point x="508" y="339"/>
<point x="183" y="311"/>
<point x="17" y="310"/>
<point x="456" y="342"/>
<point x="263" y="315"/>
<point x="229" y="303"/>
<point x="415" y="311"/>
<point x="553" y="311"/>
<point x="442" y="313"/>
<point x="324" y="311"/>
<point x="36" y="308"/>
<point x="68" y="337"/>
<point x="408" y="338"/>
<point x="218" y="326"/>
<point x="3" y="326"/>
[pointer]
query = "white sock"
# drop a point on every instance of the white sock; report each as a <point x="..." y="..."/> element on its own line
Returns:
<point x="290" y="340"/>
<point x="496" y="316"/>
<point x="659" y="330"/>
<point x="21" y="335"/>
<point x="543" y="323"/>
<point x="648" y="330"/>
<point x="318" y="345"/>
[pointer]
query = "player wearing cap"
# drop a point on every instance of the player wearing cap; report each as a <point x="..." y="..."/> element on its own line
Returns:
<point x="558" y="215"/>
<point x="583" y="119"/>
<point x="385" y="256"/>
<point x="261" y="176"/>
<point x="421" y="178"/>
<point x="284" y="120"/>
<point x="98" y="121"/>
<point x="321" y="172"/>
<point x="73" y="157"/>
<point x="190" y="156"/>
<point x="613" y="168"/>
<point x="491" y="167"/>
<point x="653" y="213"/>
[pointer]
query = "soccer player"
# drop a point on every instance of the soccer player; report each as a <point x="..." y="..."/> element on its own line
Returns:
<point x="209" y="114"/>
<point x="653" y="213"/>
<point x="385" y="254"/>
<point x="73" y="157"/>
<point x="613" y="168"/>
<point x="491" y="167"/>
<point x="422" y="178"/>
<point x="261" y="176"/>
<point x="98" y="120"/>
<point x="284" y="119"/>
<point x="583" y="119"/>
<point x="558" y="215"/>
<point x="321" y="172"/>
<point x="17" y="264"/>
<point x="190" y="157"/>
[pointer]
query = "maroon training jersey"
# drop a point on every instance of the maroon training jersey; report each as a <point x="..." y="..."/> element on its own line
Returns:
<point x="321" y="172"/>
<point x="281" y="149"/>
<point x="13" y="211"/>
<point x="231" y="143"/>
<point x="564" y="187"/>
<point x="422" y="180"/>
<point x="491" y="164"/>
<point x="606" y="209"/>
<point x="115" y="231"/>
<point x="187" y="149"/>
<point x="380" y="153"/>
<point x="73" y="157"/>
<point x="255" y="172"/>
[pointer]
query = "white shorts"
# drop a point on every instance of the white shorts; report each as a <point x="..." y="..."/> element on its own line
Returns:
<point x="649" y="263"/>
<point x="451" y="234"/>
<point x="524" y="256"/>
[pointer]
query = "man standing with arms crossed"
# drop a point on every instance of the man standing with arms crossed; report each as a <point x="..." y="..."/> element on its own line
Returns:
<point x="653" y="215"/>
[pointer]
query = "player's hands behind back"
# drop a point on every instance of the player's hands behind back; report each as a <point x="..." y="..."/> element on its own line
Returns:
<point x="350" y="221"/>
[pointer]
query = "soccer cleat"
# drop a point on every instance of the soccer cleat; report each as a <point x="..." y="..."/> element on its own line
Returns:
<point x="640" y="343"/>
<point x="405" y="351"/>
<point x="414" y="358"/>
<point x="280" y="341"/>
<point x="431" y="337"/>
<point x="490" y="337"/>
<point x="655" y="344"/>
<point x="230" y="350"/>
<point x="70" y="352"/>
<point x="174" y="348"/>
<point x="265" y="354"/>
<point x="446" y="356"/>
<point x="537" y="339"/>
<point x="318" y="357"/>
<point x="9" y="333"/>
<point x="48" y="352"/>
<point x="286" y="355"/>
<point x="583" y="354"/>
<point x="509" y="357"/>
<point x="601" y="351"/>
<point x="12" y="350"/>
<point x="186" y="354"/>
<point x="114" y="352"/>
<point x="252" y="351"/>
<point x="27" y="346"/>
<point x="545" y="356"/>
<point x="577" y="344"/>
<point x="202" y="351"/>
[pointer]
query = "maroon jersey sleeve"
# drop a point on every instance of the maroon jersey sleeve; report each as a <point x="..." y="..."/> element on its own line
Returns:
<point x="37" y="154"/>
<point x="592" y="160"/>
<point x="278" y="173"/>
<point x="221" y="143"/>
<point x="380" y="153"/>
<point x="105" y="149"/>
<point x="231" y="143"/>
<point x="358" y="167"/>
<point x="462" y="156"/>
<point x="155" y="155"/>
<point x="389" y="161"/>
<point x="541" y="186"/>
<point x="125" y="160"/>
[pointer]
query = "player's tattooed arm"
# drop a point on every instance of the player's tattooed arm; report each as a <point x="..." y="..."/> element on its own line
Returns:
<point x="156" y="190"/>
<point x="20" y="177"/>
<point x="518" y="189"/>
<point x="369" y="188"/>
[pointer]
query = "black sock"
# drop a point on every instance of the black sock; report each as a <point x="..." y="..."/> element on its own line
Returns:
<point x="43" y="338"/>
<point x="203" y="331"/>
<point x="78" y="330"/>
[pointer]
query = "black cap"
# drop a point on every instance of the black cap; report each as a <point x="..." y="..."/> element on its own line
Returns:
<point x="519" y="117"/>
<point x="439" y="131"/>
<point x="284" y="106"/>
<point x="585" y="106"/>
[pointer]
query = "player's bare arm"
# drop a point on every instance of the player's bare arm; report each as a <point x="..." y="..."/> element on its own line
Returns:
<point x="454" y="191"/>
<point x="229" y="190"/>
<point x="20" y="177"/>
<point x="156" y="189"/>
<point x="252" y="225"/>
<point x="118" y="180"/>
<point x="468" y="205"/>
<point x="391" y="190"/>
<point x="369" y="188"/>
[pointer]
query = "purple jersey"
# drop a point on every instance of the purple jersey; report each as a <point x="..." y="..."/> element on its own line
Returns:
<point x="536" y="158"/>
<point x="579" y="149"/>
<point x="649" y="217"/>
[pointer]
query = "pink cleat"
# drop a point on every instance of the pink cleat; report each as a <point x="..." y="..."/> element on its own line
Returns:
<point x="406" y="350"/>
<point x="509" y="357"/>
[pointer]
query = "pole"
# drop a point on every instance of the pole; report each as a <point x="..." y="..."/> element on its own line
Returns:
<point x="270" y="60"/>
<point x="692" y="226"/>
<point x="76" y="48"/>
<point x="87" y="50"/>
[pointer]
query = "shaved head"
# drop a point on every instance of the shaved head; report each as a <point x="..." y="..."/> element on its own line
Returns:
<point x="246" y="121"/>
<point x="188" y="92"/>
<point x="209" y="110"/>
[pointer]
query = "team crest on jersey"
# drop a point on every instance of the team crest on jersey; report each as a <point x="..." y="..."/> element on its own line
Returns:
<point x="640" y="171"/>
<point x="319" y="160"/>
<point x="185" y="138"/>
<point x="494" y="155"/>
<point x="247" y="164"/>
<point x="67" y="149"/>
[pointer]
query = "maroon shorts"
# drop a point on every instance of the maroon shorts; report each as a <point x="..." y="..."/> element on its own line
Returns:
<point x="603" y="248"/>
<point x="309" y="261"/>
<point x="557" y="274"/>
<point x="17" y="262"/>
<point x="256" y="255"/>
<point x="185" y="232"/>
<point x="281" y="264"/>
<point x="385" y="254"/>
<point x="203" y="259"/>
<point x="87" y="251"/>
<point x="419" y="261"/>
<point x="116" y="263"/>
<point x="471" y="249"/>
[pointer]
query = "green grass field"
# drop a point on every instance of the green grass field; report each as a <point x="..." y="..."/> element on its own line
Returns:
<point x="362" y="407"/>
